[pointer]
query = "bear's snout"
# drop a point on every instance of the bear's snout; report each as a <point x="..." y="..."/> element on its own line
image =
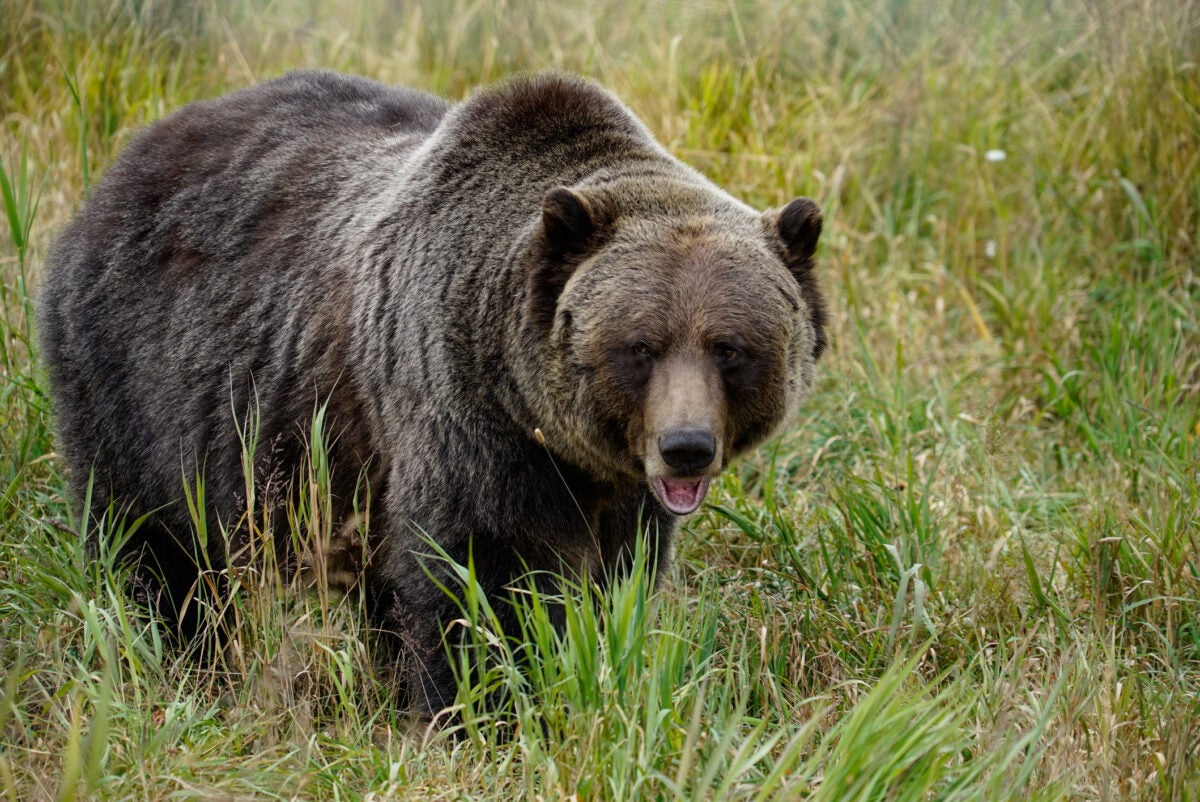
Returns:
<point x="684" y="419"/>
<point x="689" y="450"/>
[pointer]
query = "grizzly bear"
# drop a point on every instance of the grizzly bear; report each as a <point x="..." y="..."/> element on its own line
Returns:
<point x="536" y="336"/>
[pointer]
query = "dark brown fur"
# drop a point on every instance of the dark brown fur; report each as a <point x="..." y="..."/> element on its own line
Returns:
<point x="448" y="280"/>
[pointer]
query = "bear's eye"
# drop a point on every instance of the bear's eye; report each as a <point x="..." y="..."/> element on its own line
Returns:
<point x="727" y="353"/>
<point x="643" y="350"/>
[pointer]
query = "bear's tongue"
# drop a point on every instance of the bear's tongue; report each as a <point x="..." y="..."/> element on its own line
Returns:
<point x="681" y="496"/>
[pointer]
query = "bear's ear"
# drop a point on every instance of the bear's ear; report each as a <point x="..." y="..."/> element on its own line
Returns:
<point x="798" y="229"/>
<point x="574" y="225"/>
<point x="570" y="221"/>
<point x="795" y="229"/>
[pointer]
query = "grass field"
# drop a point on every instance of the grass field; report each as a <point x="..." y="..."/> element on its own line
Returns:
<point x="969" y="570"/>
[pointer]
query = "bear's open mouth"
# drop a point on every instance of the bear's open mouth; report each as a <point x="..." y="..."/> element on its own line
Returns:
<point x="681" y="496"/>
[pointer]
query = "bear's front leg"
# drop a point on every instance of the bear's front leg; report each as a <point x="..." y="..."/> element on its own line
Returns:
<point x="636" y="515"/>
<point x="418" y="608"/>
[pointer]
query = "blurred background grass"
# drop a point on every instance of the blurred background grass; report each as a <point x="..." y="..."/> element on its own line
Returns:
<point x="970" y="569"/>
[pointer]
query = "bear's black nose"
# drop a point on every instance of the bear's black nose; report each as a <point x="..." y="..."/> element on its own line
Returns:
<point x="687" y="450"/>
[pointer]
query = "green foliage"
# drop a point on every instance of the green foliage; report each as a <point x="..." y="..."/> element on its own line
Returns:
<point x="969" y="569"/>
<point x="644" y="703"/>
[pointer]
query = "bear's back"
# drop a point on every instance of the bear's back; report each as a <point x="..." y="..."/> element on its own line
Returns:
<point x="188" y="263"/>
<point x="238" y="148"/>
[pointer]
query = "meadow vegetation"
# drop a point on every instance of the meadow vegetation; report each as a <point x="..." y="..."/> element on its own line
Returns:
<point x="969" y="570"/>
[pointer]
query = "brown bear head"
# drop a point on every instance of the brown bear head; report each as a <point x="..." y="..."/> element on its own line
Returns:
<point x="678" y="328"/>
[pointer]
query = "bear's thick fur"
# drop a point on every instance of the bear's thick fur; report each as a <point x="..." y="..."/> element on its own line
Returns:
<point x="537" y="334"/>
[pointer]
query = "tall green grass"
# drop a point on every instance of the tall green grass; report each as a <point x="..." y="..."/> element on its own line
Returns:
<point x="970" y="569"/>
